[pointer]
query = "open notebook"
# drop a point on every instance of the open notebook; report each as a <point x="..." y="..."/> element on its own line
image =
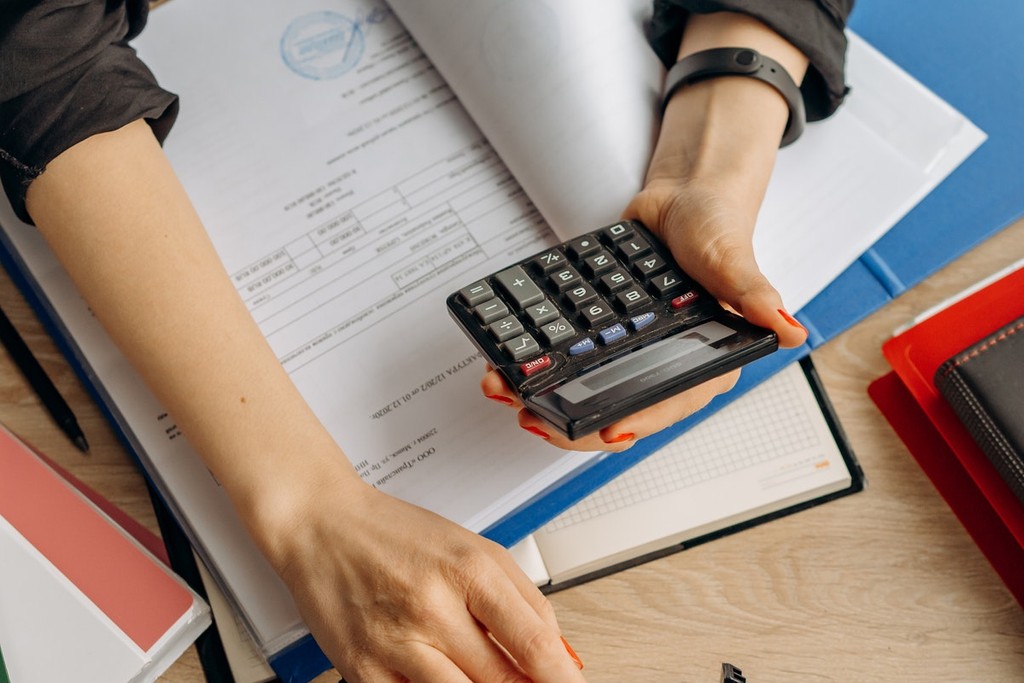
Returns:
<point x="777" y="451"/>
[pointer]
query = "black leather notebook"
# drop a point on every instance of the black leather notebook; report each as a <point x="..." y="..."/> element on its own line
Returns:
<point x="984" y="384"/>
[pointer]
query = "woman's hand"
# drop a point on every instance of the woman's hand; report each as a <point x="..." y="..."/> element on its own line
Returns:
<point x="392" y="592"/>
<point x="704" y="188"/>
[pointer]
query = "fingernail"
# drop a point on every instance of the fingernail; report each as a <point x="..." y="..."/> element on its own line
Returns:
<point x="572" y="653"/>
<point x="621" y="437"/>
<point x="539" y="432"/>
<point x="500" y="399"/>
<point x="791" y="320"/>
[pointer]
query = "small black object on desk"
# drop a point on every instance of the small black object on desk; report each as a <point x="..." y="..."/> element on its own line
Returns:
<point x="41" y="383"/>
<point x="732" y="674"/>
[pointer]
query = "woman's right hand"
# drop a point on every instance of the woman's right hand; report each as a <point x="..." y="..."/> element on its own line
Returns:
<point x="392" y="592"/>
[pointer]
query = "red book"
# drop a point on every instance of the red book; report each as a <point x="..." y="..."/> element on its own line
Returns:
<point x="935" y="435"/>
<point x="950" y="478"/>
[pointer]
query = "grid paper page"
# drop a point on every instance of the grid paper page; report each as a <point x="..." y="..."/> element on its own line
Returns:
<point x="740" y="435"/>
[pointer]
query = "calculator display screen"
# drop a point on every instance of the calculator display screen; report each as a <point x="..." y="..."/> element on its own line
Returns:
<point x="653" y="364"/>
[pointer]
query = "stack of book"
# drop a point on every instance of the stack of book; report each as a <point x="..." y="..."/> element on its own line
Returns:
<point x="954" y="396"/>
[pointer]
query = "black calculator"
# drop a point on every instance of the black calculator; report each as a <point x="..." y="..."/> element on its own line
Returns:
<point x="602" y="326"/>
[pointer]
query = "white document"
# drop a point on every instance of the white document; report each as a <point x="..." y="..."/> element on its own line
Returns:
<point x="581" y="84"/>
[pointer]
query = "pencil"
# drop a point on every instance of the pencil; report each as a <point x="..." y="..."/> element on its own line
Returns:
<point x="4" y="676"/>
<point x="41" y="383"/>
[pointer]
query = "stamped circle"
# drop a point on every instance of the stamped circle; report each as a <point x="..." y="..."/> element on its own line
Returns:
<point x="322" y="45"/>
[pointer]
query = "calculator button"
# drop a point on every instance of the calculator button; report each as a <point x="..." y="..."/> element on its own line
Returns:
<point x="565" y="278"/>
<point x="639" y="322"/>
<point x="668" y="283"/>
<point x="613" y="333"/>
<point x="580" y="296"/>
<point x="521" y="347"/>
<point x="632" y="299"/>
<point x="557" y="331"/>
<point x="536" y="365"/>
<point x="549" y="260"/>
<point x="506" y="328"/>
<point x="617" y="232"/>
<point x="616" y="280"/>
<point x="476" y="292"/>
<point x="595" y="314"/>
<point x="541" y="313"/>
<point x="598" y="263"/>
<point x="520" y="288"/>
<point x="649" y="266"/>
<point x="582" y="246"/>
<point x="684" y="300"/>
<point x="492" y="310"/>
<point x="582" y="346"/>
<point x="631" y="249"/>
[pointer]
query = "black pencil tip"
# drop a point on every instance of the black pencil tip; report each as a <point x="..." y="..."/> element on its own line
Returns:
<point x="82" y="444"/>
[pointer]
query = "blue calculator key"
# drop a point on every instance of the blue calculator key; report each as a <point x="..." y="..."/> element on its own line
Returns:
<point x="582" y="346"/>
<point x="639" y="322"/>
<point x="613" y="333"/>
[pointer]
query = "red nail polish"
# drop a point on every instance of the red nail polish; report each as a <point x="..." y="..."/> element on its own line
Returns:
<point x="621" y="437"/>
<point x="791" y="320"/>
<point x="500" y="399"/>
<point x="572" y="653"/>
<point x="539" y="432"/>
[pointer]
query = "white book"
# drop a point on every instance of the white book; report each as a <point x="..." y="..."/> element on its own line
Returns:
<point x="349" y="185"/>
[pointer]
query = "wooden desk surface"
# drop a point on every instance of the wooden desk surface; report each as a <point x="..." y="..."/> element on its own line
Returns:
<point x="884" y="585"/>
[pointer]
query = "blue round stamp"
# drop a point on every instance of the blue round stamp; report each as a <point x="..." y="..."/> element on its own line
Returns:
<point x="322" y="45"/>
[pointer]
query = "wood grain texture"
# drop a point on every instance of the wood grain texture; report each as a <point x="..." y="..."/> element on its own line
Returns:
<point x="884" y="585"/>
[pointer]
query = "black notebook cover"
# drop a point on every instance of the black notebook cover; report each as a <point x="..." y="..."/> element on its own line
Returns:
<point x="984" y="384"/>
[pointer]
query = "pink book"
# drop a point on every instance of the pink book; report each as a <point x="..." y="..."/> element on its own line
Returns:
<point x="80" y="599"/>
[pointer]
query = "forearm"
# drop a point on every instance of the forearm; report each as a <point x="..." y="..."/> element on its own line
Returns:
<point x="727" y="130"/>
<point x="122" y="226"/>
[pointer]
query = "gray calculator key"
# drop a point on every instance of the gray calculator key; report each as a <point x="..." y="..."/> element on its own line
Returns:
<point x="550" y="260"/>
<point x="579" y="296"/>
<point x="556" y="331"/>
<point x="541" y="313"/>
<point x="476" y="292"/>
<point x="597" y="313"/>
<point x="632" y="298"/>
<point x="583" y="246"/>
<point x="616" y="280"/>
<point x="489" y="311"/>
<point x="599" y="263"/>
<point x="520" y="288"/>
<point x="506" y="328"/>
<point x="565" y="278"/>
<point x="521" y="347"/>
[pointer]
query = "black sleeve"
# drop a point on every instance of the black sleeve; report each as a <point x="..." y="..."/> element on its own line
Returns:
<point x="66" y="73"/>
<point x="815" y="27"/>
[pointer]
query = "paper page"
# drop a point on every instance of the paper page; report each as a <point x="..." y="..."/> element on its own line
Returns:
<point x="244" y="659"/>
<point x="767" y="451"/>
<point x="347" y="194"/>
<point x="568" y="94"/>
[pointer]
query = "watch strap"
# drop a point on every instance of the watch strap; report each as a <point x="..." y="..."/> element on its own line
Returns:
<point x="739" y="61"/>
